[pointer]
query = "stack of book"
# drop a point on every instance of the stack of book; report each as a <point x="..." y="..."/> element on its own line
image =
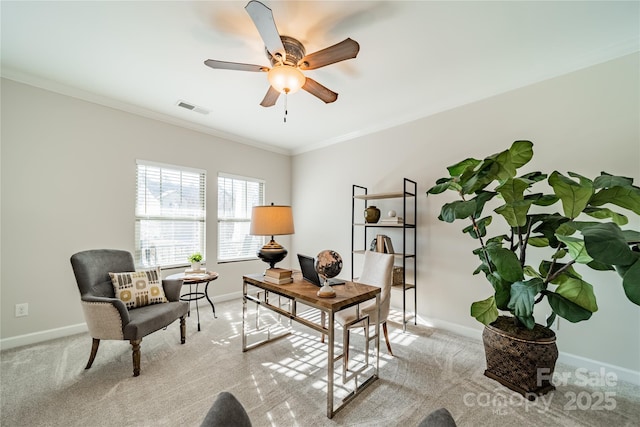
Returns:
<point x="279" y="276"/>
<point x="392" y="220"/>
<point x="383" y="244"/>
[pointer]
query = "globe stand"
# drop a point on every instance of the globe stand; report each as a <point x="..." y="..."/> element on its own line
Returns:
<point x="326" y="291"/>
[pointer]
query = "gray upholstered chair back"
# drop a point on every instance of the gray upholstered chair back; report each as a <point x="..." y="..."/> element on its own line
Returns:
<point x="92" y="269"/>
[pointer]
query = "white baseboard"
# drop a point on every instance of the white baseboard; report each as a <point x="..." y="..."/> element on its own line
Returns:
<point x="593" y="368"/>
<point x="65" y="331"/>
<point x="38" y="337"/>
<point x="598" y="369"/>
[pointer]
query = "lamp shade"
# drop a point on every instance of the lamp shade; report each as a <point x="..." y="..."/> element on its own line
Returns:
<point x="286" y="79"/>
<point x="273" y="220"/>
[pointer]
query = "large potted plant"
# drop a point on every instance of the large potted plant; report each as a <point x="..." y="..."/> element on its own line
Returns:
<point x="568" y="228"/>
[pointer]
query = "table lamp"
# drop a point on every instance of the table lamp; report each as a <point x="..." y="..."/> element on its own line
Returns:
<point x="272" y="220"/>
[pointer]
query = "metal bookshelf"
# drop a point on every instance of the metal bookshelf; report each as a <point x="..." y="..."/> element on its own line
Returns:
<point x="361" y="198"/>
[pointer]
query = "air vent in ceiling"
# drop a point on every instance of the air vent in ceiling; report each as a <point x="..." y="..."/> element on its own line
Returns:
<point x="192" y="107"/>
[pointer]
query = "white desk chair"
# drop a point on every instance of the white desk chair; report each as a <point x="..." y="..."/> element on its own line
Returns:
<point x="376" y="271"/>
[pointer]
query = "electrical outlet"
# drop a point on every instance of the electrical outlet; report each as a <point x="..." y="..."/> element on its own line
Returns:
<point x="22" y="309"/>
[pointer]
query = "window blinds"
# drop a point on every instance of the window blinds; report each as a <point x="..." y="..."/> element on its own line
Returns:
<point x="170" y="214"/>
<point x="236" y="197"/>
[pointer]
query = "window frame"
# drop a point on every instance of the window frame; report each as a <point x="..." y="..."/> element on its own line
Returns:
<point x="260" y="239"/>
<point x="200" y="217"/>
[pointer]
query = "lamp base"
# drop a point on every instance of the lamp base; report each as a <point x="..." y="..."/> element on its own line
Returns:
<point x="272" y="253"/>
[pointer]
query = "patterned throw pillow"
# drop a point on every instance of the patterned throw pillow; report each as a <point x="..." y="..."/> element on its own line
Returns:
<point x="139" y="288"/>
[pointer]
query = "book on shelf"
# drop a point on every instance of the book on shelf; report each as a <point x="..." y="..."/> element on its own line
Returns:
<point x="388" y="246"/>
<point x="281" y="281"/>
<point x="278" y="273"/>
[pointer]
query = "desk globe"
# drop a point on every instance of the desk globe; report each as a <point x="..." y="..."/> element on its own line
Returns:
<point x="328" y="265"/>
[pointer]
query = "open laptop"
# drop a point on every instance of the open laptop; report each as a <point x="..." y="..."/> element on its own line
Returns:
<point x="309" y="273"/>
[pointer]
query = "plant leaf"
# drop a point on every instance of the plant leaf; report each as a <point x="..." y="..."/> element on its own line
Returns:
<point x="574" y="196"/>
<point x="544" y="200"/>
<point x="485" y="311"/>
<point x="442" y="185"/>
<point x="631" y="283"/>
<point x="576" y="248"/>
<point x="579" y="292"/>
<point x="521" y="152"/>
<point x="457" y="210"/>
<point x="482" y="228"/>
<point x="567" y="309"/>
<point x="604" y="213"/>
<point x="606" y="180"/>
<point x="502" y="292"/>
<point x="625" y="197"/>
<point x="523" y="296"/>
<point x="606" y="243"/>
<point x="513" y="189"/>
<point x="538" y="241"/>
<point x="531" y="272"/>
<point x="460" y="167"/>
<point x="507" y="264"/>
<point x="481" y="199"/>
<point x="515" y="213"/>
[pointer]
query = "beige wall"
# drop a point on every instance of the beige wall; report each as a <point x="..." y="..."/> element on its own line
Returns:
<point x="586" y="122"/>
<point x="68" y="184"/>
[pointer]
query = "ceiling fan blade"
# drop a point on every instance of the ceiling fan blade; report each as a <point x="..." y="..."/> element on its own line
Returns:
<point x="346" y="49"/>
<point x="223" y="65"/>
<point x="262" y="17"/>
<point x="316" y="89"/>
<point x="270" y="98"/>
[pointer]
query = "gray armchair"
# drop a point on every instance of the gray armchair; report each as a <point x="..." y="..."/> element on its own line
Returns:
<point x="107" y="317"/>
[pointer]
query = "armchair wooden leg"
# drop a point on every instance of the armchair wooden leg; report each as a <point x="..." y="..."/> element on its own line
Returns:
<point x="136" y="356"/>
<point x="183" y="330"/>
<point x="386" y="337"/>
<point x="94" y="351"/>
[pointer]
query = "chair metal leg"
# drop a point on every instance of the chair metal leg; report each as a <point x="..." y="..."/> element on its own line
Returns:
<point x="94" y="351"/>
<point x="345" y="352"/>
<point x="136" y="356"/>
<point x="386" y="336"/>
<point x="183" y="330"/>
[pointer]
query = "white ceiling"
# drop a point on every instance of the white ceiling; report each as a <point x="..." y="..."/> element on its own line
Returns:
<point x="416" y="58"/>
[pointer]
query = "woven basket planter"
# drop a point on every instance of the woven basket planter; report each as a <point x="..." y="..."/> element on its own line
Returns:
<point x="522" y="364"/>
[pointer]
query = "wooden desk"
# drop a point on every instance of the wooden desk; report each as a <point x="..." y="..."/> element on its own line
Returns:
<point x="301" y="291"/>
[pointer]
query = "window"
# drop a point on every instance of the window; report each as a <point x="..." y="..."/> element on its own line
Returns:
<point x="170" y="214"/>
<point x="236" y="197"/>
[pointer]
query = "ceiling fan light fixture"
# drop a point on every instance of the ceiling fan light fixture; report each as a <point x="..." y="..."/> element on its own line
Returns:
<point x="286" y="78"/>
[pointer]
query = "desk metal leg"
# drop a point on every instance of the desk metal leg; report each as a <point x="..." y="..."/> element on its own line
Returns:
<point x="330" y="361"/>
<point x="244" y="316"/>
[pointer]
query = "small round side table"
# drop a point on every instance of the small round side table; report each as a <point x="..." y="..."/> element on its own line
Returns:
<point x="190" y="280"/>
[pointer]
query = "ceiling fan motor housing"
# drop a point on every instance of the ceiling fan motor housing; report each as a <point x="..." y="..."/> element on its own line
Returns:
<point x="294" y="49"/>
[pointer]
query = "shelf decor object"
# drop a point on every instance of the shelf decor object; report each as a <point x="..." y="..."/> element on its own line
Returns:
<point x="272" y="220"/>
<point x="371" y="215"/>
<point x="328" y="265"/>
<point x="401" y="224"/>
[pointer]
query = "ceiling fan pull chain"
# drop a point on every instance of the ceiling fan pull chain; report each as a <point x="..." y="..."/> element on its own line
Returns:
<point x="285" y="106"/>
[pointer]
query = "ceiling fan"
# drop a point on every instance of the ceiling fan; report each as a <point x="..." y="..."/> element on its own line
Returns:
<point x="288" y="57"/>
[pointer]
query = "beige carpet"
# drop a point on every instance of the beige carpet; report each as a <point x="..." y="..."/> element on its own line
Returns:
<point x="280" y="384"/>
